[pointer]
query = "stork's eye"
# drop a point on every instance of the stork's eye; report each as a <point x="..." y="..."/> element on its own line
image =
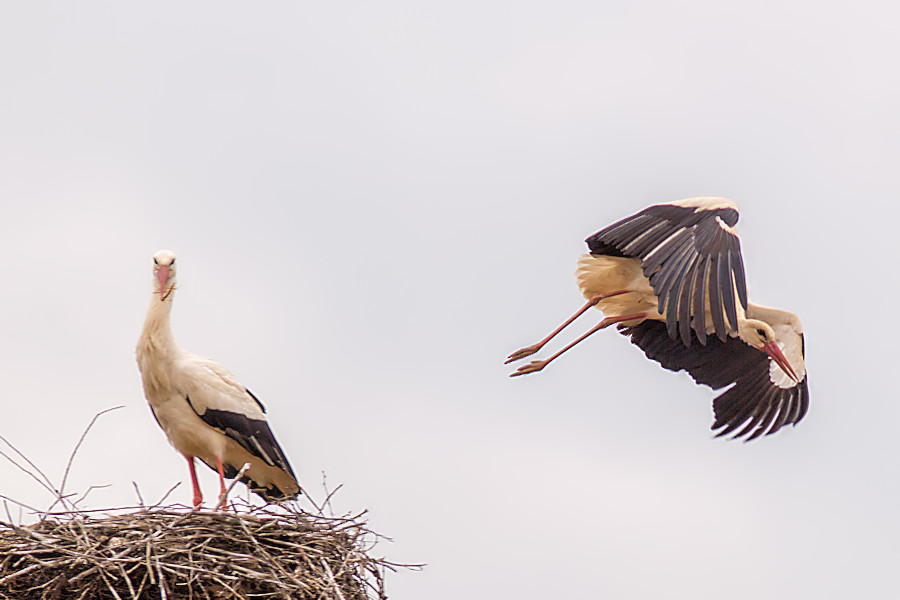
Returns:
<point x="155" y="262"/>
<point x="761" y="332"/>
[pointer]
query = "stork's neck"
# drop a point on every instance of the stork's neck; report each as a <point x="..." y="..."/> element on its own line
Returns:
<point x="774" y="316"/>
<point x="157" y="334"/>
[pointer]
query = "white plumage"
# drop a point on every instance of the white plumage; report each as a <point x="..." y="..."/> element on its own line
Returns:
<point x="202" y="408"/>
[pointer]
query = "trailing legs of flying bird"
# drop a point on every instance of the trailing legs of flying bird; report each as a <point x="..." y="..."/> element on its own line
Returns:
<point x="537" y="365"/>
<point x="528" y="351"/>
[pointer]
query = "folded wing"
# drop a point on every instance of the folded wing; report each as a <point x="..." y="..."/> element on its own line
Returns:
<point x="222" y="403"/>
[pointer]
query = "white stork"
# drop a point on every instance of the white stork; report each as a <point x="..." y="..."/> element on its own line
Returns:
<point x="201" y="407"/>
<point x="672" y="278"/>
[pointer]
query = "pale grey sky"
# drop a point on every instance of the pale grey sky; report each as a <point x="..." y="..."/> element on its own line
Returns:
<point x="374" y="203"/>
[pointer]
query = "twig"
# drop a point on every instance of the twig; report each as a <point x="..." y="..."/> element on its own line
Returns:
<point x="127" y="581"/>
<point x="109" y="586"/>
<point x="62" y="486"/>
<point x="320" y="508"/>
<point x="331" y="578"/>
<point x="272" y="551"/>
<point x="224" y="498"/>
<point x="166" y="495"/>
<point x="14" y="501"/>
<point x="88" y="491"/>
<point x="163" y="594"/>
<point x="137" y="491"/>
<point x="6" y="508"/>
<point x="47" y="486"/>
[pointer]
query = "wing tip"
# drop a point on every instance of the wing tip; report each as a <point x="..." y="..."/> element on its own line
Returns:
<point x="766" y="418"/>
<point x="271" y="493"/>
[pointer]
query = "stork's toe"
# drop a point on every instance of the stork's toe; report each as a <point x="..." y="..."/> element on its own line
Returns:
<point x="519" y="354"/>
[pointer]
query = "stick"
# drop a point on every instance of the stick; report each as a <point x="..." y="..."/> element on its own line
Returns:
<point x="137" y="491"/>
<point x="234" y="481"/>
<point x="62" y="486"/>
<point x="331" y="577"/>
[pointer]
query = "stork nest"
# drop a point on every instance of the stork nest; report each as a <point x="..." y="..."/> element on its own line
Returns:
<point x="169" y="554"/>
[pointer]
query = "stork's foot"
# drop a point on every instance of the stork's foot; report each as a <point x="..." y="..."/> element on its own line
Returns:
<point x="518" y="354"/>
<point x="221" y="502"/>
<point x="198" y="500"/>
<point x="532" y="367"/>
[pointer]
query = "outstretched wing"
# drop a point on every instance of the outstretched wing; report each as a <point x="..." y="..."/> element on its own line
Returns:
<point x="690" y="252"/>
<point x="754" y="398"/>
<point x="222" y="403"/>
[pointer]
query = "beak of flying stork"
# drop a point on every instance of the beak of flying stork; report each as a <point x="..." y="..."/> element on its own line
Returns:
<point x="772" y="349"/>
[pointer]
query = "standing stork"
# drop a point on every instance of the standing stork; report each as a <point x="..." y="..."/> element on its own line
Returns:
<point x="201" y="407"/>
<point x="672" y="278"/>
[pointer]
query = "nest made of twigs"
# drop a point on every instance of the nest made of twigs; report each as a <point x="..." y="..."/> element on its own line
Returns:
<point x="171" y="554"/>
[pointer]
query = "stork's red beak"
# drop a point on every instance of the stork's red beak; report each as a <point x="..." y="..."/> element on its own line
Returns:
<point x="772" y="349"/>
<point x="163" y="274"/>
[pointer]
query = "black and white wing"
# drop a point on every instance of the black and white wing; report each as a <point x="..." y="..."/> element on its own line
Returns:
<point x="224" y="404"/>
<point x="690" y="252"/>
<point x="761" y="396"/>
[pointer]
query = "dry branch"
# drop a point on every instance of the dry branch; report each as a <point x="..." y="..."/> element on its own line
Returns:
<point x="259" y="552"/>
<point x="171" y="553"/>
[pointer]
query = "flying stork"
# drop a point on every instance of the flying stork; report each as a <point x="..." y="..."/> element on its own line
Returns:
<point x="672" y="278"/>
<point x="201" y="407"/>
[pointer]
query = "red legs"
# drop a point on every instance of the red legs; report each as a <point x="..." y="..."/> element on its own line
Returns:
<point x="221" y="504"/>
<point x="198" y="497"/>
<point x="537" y="365"/>
<point x="532" y="349"/>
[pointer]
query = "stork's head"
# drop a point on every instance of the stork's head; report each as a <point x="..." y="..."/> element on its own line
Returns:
<point x="163" y="274"/>
<point x="761" y="336"/>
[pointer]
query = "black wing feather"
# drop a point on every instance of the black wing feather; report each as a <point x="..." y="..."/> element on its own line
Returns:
<point x="740" y="279"/>
<point x="804" y="402"/>
<point x="733" y="408"/>
<point x="726" y="287"/>
<point x="700" y="296"/>
<point x="715" y="302"/>
<point x="787" y="406"/>
<point x="673" y="241"/>
<point x="643" y="245"/>
<point x="669" y="286"/>
<point x="765" y="413"/>
<point x="684" y="304"/>
<point x="254" y="435"/>
<point x="751" y="401"/>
